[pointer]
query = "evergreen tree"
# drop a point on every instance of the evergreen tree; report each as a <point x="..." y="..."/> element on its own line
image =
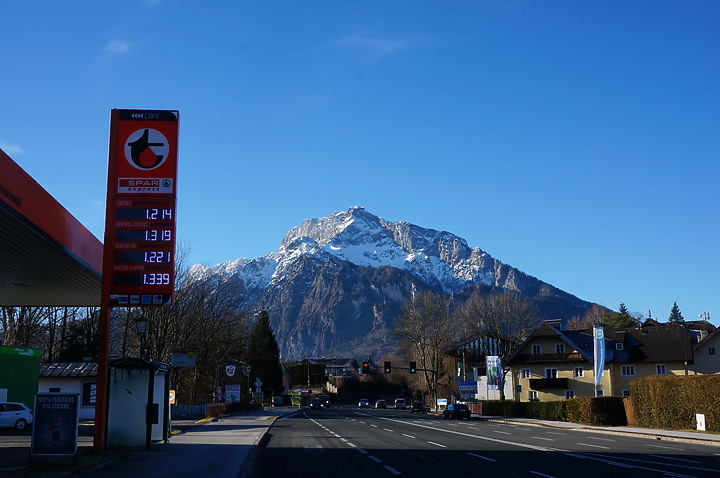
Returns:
<point x="676" y="316"/>
<point x="263" y="355"/>
<point x="624" y="310"/>
<point x="620" y="320"/>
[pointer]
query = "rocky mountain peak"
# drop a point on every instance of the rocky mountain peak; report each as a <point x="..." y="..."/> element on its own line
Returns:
<point x="345" y="277"/>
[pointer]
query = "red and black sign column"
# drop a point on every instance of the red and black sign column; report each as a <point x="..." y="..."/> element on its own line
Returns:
<point x="139" y="246"/>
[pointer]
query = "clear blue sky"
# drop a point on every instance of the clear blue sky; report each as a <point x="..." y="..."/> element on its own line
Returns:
<point x="576" y="141"/>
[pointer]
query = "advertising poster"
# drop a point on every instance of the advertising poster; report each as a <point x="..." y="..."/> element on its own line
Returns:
<point x="494" y="370"/>
<point x="232" y="393"/>
<point x="55" y="428"/>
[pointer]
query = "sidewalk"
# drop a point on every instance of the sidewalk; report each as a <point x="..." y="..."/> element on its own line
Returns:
<point x="219" y="448"/>
<point x="702" y="438"/>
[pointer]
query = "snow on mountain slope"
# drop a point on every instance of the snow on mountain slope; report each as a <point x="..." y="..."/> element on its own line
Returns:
<point x="438" y="258"/>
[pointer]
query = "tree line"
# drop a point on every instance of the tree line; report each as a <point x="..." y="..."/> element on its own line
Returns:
<point x="206" y="318"/>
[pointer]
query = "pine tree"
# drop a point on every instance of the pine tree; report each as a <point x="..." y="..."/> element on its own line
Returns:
<point x="624" y="310"/>
<point x="263" y="355"/>
<point x="676" y="316"/>
<point x="621" y="320"/>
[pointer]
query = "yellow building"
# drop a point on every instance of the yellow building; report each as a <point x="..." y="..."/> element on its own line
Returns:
<point x="555" y="364"/>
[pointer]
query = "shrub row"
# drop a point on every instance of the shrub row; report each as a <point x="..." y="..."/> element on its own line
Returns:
<point x="671" y="402"/>
<point x="599" y="411"/>
<point x="541" y="410"/>
<point x="220" y="409"/>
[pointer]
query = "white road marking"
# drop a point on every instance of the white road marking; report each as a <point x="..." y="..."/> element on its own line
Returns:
<point x="504" y="433"/>
<point x="541" y="474"/>
<point x="541" y="438"/>
<point x="387" y="430"/>
<point x="483" y="457"/>
<point x="470" y="435"/>
<point x="437" y="444"/>
<point x="376" y="460"/>
<point x="409" y="436"/>
<point x="666" y="447"/>
<point x="594" y="446"/>
<point x="392" y="470"/>
<point x="673" y="458"/>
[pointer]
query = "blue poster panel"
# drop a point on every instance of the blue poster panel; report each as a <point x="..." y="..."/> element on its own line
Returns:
<point x="55" y="427"/>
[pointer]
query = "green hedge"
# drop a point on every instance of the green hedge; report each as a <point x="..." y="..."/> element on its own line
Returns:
<point x="221" y="409"/>
<point x="671" y="401"/>
<point x="598" y="411"/>
<point x="540" y="410"/>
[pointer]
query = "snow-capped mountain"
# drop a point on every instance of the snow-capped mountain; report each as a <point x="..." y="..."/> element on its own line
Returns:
<point x="336" y="284"/>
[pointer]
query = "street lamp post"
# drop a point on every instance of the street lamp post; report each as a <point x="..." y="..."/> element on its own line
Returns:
<point x="141" y="323"/>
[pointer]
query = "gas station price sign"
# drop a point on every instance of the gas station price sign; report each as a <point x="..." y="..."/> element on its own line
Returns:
<point x="139" y="249"/>
<point x="144" y="246"/>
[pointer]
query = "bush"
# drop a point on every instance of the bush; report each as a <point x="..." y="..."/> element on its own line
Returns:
<point x="598" y="411"/>
<point x="221" y="409"/>
<point x="540" y="410"/>
<point x="671" y="401"/>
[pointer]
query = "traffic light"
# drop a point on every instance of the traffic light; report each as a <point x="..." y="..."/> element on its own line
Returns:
<point x="388" y="367"/>
<point x="366" y="367"/>
<point x="413" y="367"/>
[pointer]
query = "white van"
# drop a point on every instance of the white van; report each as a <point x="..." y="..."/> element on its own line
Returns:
<point x="399" y="404"/>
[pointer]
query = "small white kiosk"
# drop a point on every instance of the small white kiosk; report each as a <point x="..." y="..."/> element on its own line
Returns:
<point x="139" y="408"/>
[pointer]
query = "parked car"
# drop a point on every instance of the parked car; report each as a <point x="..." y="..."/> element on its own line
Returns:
<point x="381" y="404"/>
<point x="418" y="407"/>
<point x="15" y="415"/>
<point x="456" y="410"/>
<point x="316" y="403"/>
<point x="400" y="404"/>
<point x="364" y="403"/>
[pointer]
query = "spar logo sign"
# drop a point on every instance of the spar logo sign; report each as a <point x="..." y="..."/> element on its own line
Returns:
<point x="146" y="149"/>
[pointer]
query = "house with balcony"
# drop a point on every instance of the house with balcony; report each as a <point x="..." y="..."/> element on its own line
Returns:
<point x="555" y="364"/>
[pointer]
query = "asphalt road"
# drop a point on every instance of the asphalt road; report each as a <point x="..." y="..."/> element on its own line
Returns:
<point x="350" y="443"/>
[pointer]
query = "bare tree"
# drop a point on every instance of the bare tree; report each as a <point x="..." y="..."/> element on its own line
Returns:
<point x="22" y="326"/>
<point x="426" y="329"/>
<point x="505" y="317"/>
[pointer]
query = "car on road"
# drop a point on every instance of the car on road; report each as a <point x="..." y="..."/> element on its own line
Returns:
<point x="456" y="410"/>
<point x="15" y="415"/>
<point x="399" y="404"/>
<point x="325" y="399"/>
<point x="316" y="403"/>
<point x="381" y="404"/>
<point x="364" y="403"/>
<point x="418" y="407"/>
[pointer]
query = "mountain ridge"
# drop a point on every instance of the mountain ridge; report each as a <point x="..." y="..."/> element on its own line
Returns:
<point x="345" y="277"/>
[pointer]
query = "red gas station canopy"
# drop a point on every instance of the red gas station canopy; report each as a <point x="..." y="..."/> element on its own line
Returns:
<point x="47" y="258"/>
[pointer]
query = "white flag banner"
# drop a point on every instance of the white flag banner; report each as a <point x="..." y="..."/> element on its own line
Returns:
<point x="599" y="355"/>
<point x="494" y="371"/>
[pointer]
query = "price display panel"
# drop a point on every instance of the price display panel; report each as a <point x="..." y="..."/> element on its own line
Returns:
<point x="143" y="251"/>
